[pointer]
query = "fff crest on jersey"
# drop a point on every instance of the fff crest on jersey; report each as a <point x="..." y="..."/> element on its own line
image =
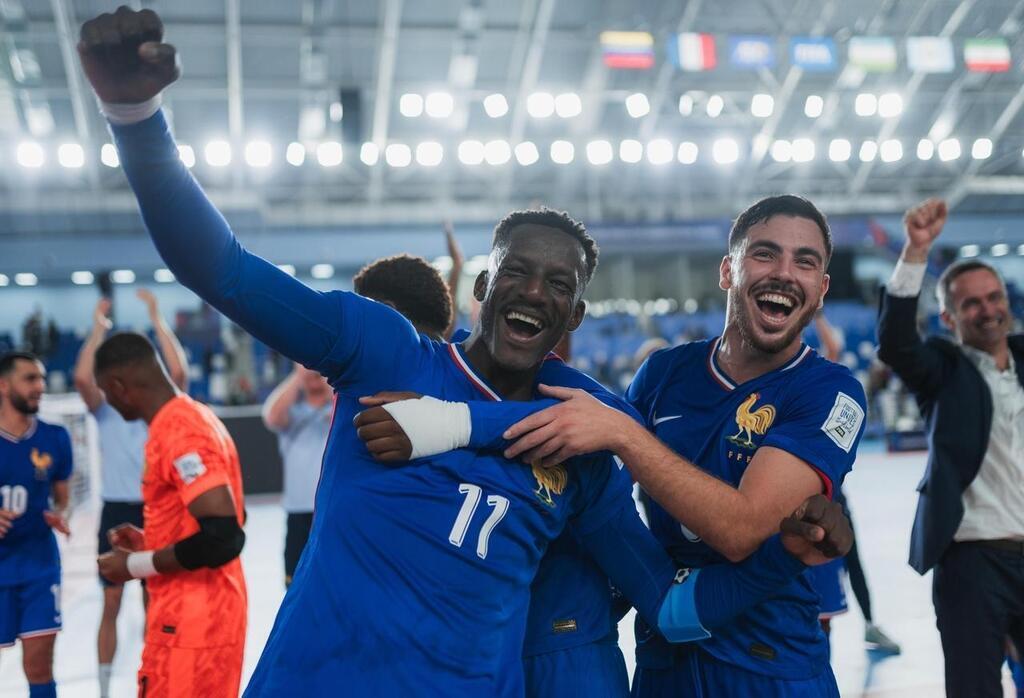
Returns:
<point x="751" y="421"/>
<point x="550" y="481"/>
<point x="41" y="461"/>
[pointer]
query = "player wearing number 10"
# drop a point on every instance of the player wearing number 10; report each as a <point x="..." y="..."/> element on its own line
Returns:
<point x="35" y="463"/>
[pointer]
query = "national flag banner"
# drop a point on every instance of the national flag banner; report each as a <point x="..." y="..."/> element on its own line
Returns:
<point x="692" y="52"/>
<point x="872" y="54"/>
<point x="987" y="55"/>
<point x="752" y="51"/>
<point x="813" y="54"/>
<point x="930" y="54"/>
<point x="627" y="50"/>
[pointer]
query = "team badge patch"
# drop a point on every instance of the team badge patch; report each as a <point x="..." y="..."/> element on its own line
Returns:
<point x="41" y="461"/>
<point x="550" y="481"/>
<point x="843" y="421"/>
<point x="751" y="421"/>
<point x="189" y="466"/>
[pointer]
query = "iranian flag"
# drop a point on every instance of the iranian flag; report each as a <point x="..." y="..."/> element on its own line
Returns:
<point x="692" y="51"/>
<point x="987" y="55"/>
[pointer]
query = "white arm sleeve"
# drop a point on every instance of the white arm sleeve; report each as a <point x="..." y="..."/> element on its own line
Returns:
<point x="433" y="426"/>
<point x="907" y="279"/>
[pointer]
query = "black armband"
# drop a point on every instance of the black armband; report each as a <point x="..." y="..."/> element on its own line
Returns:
<point x="220" y="539"/>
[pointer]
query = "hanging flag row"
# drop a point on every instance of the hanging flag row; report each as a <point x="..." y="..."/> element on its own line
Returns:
<point x="694" y="52"/>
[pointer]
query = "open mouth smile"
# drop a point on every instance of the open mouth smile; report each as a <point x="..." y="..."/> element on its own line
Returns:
<point x="775" y="308"/>
<point x="523" y="326"/>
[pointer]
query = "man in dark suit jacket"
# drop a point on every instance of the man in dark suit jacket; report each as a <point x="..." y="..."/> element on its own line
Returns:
<point x="970" y="515"/>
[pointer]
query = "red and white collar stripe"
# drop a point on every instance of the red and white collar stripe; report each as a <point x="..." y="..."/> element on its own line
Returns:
<point x="727" y="382"/>
<point x="478" y="382"/>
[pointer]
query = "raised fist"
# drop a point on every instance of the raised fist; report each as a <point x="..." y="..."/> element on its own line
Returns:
<point x="123" y="57"/>
<point x="101" y="316"/>
<point x="924" y="222"/>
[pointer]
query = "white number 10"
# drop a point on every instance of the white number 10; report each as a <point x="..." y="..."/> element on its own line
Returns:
<point x="473" y="494"/>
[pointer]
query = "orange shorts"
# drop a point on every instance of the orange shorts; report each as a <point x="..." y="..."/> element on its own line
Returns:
<point x="185" y="672"/>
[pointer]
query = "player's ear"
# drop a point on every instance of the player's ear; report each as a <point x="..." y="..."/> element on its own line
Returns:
<point x="947" y="320"/>
<point x="725" y="273"/>
<point x="578" y="313"/>
<point x="480" y="286"/>
<point x="824" y="289"/>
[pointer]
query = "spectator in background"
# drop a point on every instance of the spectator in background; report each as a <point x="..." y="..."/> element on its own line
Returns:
<point x="299" y="411"/>
<point x="970" y="514"/>
<point x="455" y="252"/>
<point x="121" y="456"/>
<point x="39" y="336"/>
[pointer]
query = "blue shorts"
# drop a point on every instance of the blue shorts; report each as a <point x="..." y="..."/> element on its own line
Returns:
<point x="827" y="580"/>
<point x="596" y="670"/>
<point x="697" y="675"/>
<point x="29" y="609"/>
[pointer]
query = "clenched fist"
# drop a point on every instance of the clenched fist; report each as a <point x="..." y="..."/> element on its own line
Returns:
<point x="923" y="223"/>
<point x="124" y="58"/>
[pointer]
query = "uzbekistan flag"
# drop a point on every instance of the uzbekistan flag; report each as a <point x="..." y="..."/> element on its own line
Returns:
<point x="692" y="52"/>
<point x="628" y="50"/>
<point x="987" y="55"/>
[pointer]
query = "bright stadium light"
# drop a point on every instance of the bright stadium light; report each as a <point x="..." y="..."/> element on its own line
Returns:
<point x="803" y="150"/>
<point x="599" y="152"/>
<point x="81" y="278"/>
<point x="562" y="152"/>
<point x="187" y="155"/>
<point x="108" y="155"/>
<point x="925" y="149"/>
<point x="631" y="151"/>
<point x="429" y="153"/>
<point x="715" y="106"/>
<point x="295" y="154"/>
<point x="471" y="152"/>
<point x="71" y="155"/>
<point x="868" y="151"/>
<point x="288" y="269"/>
<point x="329" y="154"/>
<point x="122" y="276"/>
<point x="568" y="105"/>
<point x="866" y="104"/>
<point x="982" y="149"/>
<point x="660" y="152"/>
<point x="540" y="105"/>
<point x="890" y="150"/>
<point x="526" y="153"/>
<point x="411" y="105"/>
<point x="970" y="251"/>
<point x="322" y="271"/>
<point x="4" y="281"/>
<point x="30" y="154"/>
<point x="398" y="155"/>
<point x="687" y="153"/>
<point x="497" y="152"/>
<point x="889" y="105"/>
<point x="762" y="105"/>
<point x="217" y="153"/>
<point x="814" y="105"/>
<point x="949" y="149"/>
<point x="258" y="154"/>
<point x="369" y="154"/>
<point x="496" y="105"/>
<point x="637" y="105"/>
<point x="685" y="104"/>
<point x="26" y="278"/>
<point x="439" y="105"/>
<point x="163" y="276"/>
<point x="725" y="151"/>
<point x="782" y="150"/>
<point x="839" y="150"/>
<point x="1000" y="249"/>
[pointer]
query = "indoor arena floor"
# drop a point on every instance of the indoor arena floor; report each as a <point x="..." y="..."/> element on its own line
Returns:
<point x="880" y="491"/>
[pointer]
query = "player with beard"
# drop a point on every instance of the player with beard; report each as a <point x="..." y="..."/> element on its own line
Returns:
<point x="755" y="407"/>
<point x="35" y="464"/>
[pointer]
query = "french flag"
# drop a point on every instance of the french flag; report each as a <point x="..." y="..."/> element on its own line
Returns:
<point x="692" y="51"/>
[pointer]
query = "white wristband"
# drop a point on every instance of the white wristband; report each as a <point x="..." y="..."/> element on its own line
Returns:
<point x="140" y="564"/>
<point x="433" y="426"/>
<point x="125" y="114"/>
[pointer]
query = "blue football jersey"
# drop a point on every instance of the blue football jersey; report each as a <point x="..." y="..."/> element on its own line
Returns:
<point x="809" y="407"/>
<point x="29" y="465"/>
<point x="416" y="579"/>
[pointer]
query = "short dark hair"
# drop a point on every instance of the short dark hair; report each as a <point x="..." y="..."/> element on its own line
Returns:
<point x="412" y="286"/>
<point x="781" y="205"/>
<point x="121" y="349"/>
<point x="8" y="360"/>
<point x="550" y="218"/>
<point x="957" y="268"/>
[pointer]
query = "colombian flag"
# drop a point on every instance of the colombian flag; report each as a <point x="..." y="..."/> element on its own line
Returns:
<point x="628" y="50"/>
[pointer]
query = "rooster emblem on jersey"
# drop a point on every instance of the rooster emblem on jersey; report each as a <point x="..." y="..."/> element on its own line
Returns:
<point x="751" y="421"/>
<point x="41" y="461"/>
<point x="550" y="481"/>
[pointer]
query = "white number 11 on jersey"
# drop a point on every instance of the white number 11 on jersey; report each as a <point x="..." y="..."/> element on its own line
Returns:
<point x="473" y="494"/>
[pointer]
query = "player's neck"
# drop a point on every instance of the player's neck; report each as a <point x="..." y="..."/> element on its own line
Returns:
<point x="743" y="362"/>
<point x="511" y="385"/>
<point x="160" y="396"/>
<point x="13" y="421"/>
